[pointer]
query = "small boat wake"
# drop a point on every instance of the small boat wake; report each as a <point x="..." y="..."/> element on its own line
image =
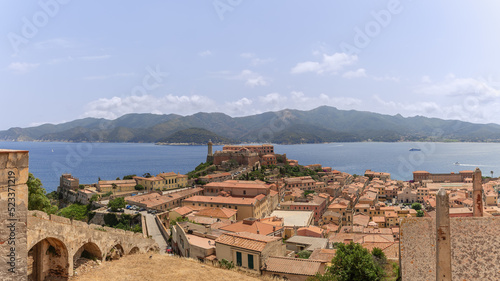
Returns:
<point x="469" y="165"/>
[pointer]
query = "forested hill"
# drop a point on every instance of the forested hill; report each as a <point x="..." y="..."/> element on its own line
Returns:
<point x="323" y="124"/>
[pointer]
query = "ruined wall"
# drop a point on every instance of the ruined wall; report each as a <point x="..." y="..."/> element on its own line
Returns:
<point x="13" y="211"/>
<point x="475" y="254"/>
<point x="75" y="234"/>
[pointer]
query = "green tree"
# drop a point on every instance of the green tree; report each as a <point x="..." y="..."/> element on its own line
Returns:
<point x="118" y="178"/>
<point x="74" y="211"/>
<point x="129" y="177"/>
<point x="147" y="175"/>
<point x="94" y="198"/>
<point x="139" y="187"/>
<point x="420" y="213"/>
<point x="117" y="203"/>
<point x="81" y="186"/>
<point x="352" y="262"/>
<point x="304" y="254"/>
<point x="37" y="199"/>
<point x="114" y="186"/>
<point x="416" y="206"/>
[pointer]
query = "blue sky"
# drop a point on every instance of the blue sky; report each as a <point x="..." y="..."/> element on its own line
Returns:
<point x="62" y="60"/>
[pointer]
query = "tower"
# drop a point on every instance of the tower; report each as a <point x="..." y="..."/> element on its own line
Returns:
<point x="477" y="193"/>
<point x="210" y="155"/>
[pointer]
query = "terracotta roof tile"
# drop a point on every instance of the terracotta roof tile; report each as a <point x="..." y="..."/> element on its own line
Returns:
<point x="245" y="240"/>
<point x="293" y="266"/>
<point x="255" y="227"/>
<point x="223" y="213"/>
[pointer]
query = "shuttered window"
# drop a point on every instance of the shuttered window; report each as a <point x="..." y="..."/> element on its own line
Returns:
<point x="250" y="261"/>
<point x="238" y="259"/>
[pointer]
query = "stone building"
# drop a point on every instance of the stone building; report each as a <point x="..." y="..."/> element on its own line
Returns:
<point x="256" y="207"/>
<point x="242" y="157"/>
<point x="259" y="149"/>
<point x="163" y="181"/>
<point x="237" y="188"/>
<point x="248" y="250"/>
<point x="462" y="176"/>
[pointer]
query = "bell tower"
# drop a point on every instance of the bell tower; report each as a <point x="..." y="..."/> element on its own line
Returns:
<point x="210" y="154"/>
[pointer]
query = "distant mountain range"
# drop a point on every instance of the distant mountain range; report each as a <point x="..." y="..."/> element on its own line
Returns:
<point x="323" y="124"/>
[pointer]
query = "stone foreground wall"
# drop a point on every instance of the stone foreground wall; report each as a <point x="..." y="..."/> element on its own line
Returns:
<point x="475" y="254"/>
<point x="13" y="213"/>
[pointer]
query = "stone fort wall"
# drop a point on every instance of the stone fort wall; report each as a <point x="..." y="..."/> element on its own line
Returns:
<point x="475" y="254"/>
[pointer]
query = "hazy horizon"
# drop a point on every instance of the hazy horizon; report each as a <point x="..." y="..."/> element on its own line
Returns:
<point x="66" y="60"/>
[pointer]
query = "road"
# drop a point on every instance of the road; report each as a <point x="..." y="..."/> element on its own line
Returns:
<point x="154" y="231"/>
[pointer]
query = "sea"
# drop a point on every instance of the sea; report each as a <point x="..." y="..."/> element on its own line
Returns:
<point x="107" y="161"/>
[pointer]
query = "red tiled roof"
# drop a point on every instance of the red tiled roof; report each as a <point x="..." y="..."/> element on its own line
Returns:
<point x="255" y="227"/>
<point x="221" y="200"/>
<point x="223" y="213"/>
<point x="245" y="240"/>
<point x="183" y="210"/>
<point x="293" y="266"/>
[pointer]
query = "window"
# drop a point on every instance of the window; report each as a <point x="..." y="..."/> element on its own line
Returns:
<point x="238" y="259"/>
<point x="250" y="261"/>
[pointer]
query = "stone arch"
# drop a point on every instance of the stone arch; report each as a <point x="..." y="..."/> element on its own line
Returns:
<point x="115" y="253"/>
<point x="90" y="251"/>
<point x="134" y="250"/>
<point x="48" y="258"/>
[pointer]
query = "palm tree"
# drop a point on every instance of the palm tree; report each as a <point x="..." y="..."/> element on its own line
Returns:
<point x="491" y="173"/>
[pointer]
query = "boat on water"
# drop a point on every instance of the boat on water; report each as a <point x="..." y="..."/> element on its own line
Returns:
<point x="415" y="149"/>
<point x="456" y="163"/>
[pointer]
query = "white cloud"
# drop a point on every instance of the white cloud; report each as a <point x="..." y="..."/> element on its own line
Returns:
<point x="22" y="67"/>
<point x="330" y="64"/>
<point x="460" y="87"/>
<point x="251" y="78"/>
<point x="254" y="60"/>
<point x="361" y="72"/>
<point x="114" y="107"/>
<point x="205" y="53"/>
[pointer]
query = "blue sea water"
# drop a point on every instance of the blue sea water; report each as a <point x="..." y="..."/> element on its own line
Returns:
<point x="89" y="161"/>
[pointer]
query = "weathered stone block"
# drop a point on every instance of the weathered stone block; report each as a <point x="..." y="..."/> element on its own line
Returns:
<point x="38" y="214"/>
<point x="474" y="254"/>
<point x="80" y="224"/>
<point x="59" y="219"/>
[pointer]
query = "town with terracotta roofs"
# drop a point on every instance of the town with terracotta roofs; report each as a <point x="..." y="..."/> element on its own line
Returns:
<point x="250" y="208"/>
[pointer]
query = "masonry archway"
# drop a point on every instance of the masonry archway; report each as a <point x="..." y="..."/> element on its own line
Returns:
<point x="134" y="250"/>
<point x="88" y="251"/>
<point x="48" y="259"/>
<point x="115" y="253"/>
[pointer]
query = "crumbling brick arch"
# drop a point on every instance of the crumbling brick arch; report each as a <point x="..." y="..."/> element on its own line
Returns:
<point x="48" y="258"/>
